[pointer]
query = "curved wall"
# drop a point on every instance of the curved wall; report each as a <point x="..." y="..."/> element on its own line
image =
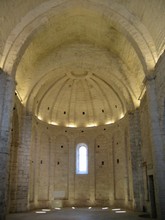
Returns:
<point x="109" y="178"/>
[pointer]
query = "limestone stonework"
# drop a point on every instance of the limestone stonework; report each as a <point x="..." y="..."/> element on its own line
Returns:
<point x="6" y="93"/>
<point x="76" y="72"/>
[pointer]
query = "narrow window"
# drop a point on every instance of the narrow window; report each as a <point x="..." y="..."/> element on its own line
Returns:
<point x="82" y="159"/>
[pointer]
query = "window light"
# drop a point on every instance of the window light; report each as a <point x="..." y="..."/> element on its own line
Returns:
<point x="82" y="159"/>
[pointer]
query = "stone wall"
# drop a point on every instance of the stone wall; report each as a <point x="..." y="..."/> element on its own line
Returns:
<point x="147" y="159"/>
<point x="160" y="88"/>
<point x="6" y="99"/>
<point x="119" y="162"/>
<point x="19" y="159"/>
<point x="159" y="134"/>
<point x="53" y="178"/>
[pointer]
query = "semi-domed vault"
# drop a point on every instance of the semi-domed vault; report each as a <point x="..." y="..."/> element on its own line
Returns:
<point x="84" y="63"/>
<point x="82" y="105"/>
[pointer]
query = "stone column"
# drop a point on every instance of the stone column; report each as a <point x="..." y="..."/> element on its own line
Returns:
<point x="7" y="87"/>
<point x="136" y="160"/>
<point x="127" y="175"/>
<point x="157" y="146"/>
<point x="22" y="194"/>
<point x="112" y="172"/>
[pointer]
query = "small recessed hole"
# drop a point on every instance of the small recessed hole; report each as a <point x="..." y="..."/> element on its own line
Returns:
<point x="65" y="131"/>
<point x="117" y="160"/>
<point x="82" y="131"/>
<point x="48" y="108"/>
<point x="64" y="112"/>
<point x="83" y="113"/>
<point x="14" y="108"/>
<point x="115" y="106"/>
<point x="61" y="146"/>
<point x="41" y="161"/>
<point x="117" y="143"/>
<point x="102" y="110"/>
<point x="104" y="129"/>
<point x="58" y="163"/>
<point x="98" y="146"/>
<point x="102" y="162"/>
<point x="46" y="127"/>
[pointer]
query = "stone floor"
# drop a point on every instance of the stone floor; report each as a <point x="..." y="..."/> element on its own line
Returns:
<point x="78" y="214"/>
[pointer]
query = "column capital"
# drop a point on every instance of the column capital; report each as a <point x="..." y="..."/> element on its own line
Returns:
<point x="149" y="77"/>
<point x="27" y="114"/>
<point x="8" y="77"/>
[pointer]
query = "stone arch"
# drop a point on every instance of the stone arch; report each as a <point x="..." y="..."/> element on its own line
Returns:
<point x="128" y="24"/>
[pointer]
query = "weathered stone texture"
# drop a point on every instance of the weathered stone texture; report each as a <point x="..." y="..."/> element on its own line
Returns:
<point x="82" y="63"/>
<point x="6" y="112"/>
<point x="53" y="167"/>
<point x="136" y="159"/>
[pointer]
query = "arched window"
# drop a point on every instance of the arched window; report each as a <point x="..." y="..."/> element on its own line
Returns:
<point x="82" y="159"/>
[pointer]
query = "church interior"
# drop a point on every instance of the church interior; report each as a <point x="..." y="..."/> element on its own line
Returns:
<point x="82" y="107"/>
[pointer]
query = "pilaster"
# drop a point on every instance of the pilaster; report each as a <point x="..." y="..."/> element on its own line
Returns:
<point x="7" y="87"/>
<point x="136" y="158"/>
<point x="22" y="198"/>
<point x="157" y="145"/>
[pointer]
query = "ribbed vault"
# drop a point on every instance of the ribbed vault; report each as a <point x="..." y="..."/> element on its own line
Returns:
<point x="84" y="88"/>
<point x="80" y="63"/>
